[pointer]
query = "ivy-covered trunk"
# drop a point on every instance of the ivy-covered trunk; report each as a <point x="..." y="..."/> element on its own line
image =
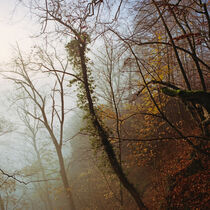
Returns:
<point x="103" y="134"/>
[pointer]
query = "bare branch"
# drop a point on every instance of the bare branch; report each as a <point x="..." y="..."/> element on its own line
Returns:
<point x="24" y="182"/>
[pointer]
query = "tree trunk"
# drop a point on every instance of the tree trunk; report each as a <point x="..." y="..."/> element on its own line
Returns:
<point x="61" y="164"/>
<point x="104" y="136"/>
<point x="49" y="202"/>
<point x="1" y="204"/>
<point x="65" y="179"/>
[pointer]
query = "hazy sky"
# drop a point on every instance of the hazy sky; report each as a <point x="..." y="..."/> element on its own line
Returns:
<point x="16" y="27"/>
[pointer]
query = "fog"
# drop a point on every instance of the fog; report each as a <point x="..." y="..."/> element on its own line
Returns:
<point x="17" y="152"/>
<point x="104" y="104"/>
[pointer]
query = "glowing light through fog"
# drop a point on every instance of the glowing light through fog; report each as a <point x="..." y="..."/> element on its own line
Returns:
<point x="13" y="30"/>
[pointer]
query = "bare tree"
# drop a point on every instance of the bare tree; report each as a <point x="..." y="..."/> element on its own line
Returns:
<point x="111" y="90"/>
<point x="31" y="133"/>
<point x="51" y="109"/>
<point x="73" y="19"/>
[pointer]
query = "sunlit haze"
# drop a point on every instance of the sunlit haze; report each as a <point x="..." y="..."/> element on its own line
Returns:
<point x="16" y="27"/>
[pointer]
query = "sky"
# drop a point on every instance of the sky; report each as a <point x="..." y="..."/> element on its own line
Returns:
<point x="16" y="26"/>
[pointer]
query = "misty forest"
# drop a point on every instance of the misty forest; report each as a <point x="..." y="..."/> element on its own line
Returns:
<point x="109" y="108"/>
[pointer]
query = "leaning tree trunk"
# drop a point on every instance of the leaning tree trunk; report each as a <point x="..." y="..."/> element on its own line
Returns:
<point x="103" y="134"/>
